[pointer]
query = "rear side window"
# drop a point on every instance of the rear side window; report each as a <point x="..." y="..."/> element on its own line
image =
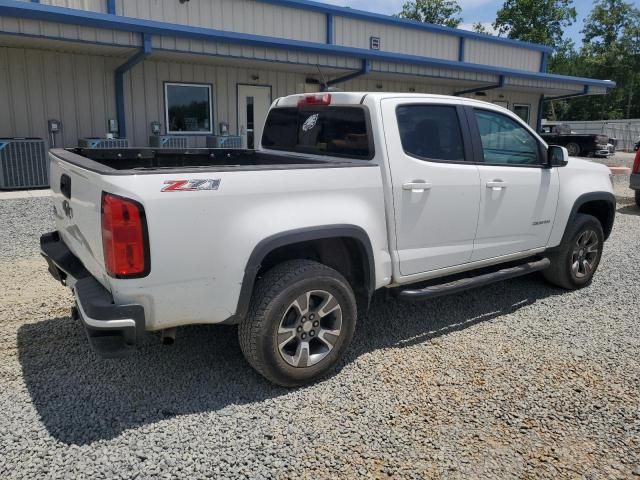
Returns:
<point x="335" y="131"/>
<point x="431" y="132"/>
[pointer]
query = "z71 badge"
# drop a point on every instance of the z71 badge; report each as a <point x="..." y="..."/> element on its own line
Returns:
<point x="195" y="185"/>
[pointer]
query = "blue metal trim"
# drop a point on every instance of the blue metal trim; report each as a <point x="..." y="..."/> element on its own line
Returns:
<point x="13" y="8"/>
<point x="544" y="58"/>
<point x="500" y="84"/>
<point x="143" y="53"/>
<point x="366" y="68"/>
<point x="461" y="50"/>
<point x="111" y="7"/>
<point x="35" y="1"/>
<point x="386" y="19"/>
<point x="329" y="29"/>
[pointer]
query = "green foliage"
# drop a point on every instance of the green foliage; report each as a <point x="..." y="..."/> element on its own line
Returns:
<point x="479" y="28"/>
<point x="537" y="21"/>
<point x="439" y="12"/>
<point x="610" y="50"/>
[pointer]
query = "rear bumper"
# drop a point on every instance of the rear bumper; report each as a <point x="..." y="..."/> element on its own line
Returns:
<point x="112" y="330"/>
<point x="634" y="184"/>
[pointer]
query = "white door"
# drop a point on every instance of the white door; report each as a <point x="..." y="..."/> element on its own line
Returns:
<point x="436" y="193"/>
<point x="253" y="105"/>
<point x="519" y="195"/>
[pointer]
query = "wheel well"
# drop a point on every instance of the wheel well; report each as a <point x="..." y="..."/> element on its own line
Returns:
<point x="603" y="211"/>
<point x="344" y="254"/>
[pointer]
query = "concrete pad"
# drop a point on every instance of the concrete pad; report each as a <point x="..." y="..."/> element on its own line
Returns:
<point x="20" y="194"/>
<point x="620" y="170"/>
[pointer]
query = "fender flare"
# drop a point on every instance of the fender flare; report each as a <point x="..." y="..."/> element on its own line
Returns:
<point x="282" y="239"/>
<point x="590" y="197"/>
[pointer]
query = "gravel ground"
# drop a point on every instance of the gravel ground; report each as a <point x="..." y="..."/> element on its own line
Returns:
<point x="516" y="380"/>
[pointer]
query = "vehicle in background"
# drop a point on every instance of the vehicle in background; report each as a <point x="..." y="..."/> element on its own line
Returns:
<point x="350" y="193"/>
<point x="635" y="177"/>
<point x="636" y="147"/>
<point x="578" y="144"/>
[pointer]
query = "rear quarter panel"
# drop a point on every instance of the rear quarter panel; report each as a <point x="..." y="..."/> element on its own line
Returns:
<point x="201" y="241"/>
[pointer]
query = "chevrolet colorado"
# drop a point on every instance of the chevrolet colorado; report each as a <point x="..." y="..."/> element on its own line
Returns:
<point x="349" y="193"/>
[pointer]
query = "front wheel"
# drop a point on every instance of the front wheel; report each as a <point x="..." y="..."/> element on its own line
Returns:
<point x="576" y="260"/>
<point x="301" y="321"/>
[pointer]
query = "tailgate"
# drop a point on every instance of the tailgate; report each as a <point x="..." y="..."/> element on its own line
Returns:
<point x="76" y="198"/>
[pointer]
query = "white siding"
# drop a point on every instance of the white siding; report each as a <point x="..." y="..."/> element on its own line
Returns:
<point x="255" y="53"/>
<point x="37" y="85"/>
<point x="144" y="87"/>
<point x="354" y="33"/>
<point x="68" y="32"/>
<point x="436" y="72"/>
<point x="490" y="53"/>
<point x="245" y="16"/>
<point x="92" y="5"/>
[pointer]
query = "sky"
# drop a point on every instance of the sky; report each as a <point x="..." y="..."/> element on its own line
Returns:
<point x="483" y="11"/>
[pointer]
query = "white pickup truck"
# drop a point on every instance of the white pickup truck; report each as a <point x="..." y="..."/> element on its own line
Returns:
<point x="349" y="193"/>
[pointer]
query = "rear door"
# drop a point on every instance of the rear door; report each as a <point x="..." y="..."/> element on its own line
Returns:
<point x="436" y="191"/>
<point x="518" y="194"/>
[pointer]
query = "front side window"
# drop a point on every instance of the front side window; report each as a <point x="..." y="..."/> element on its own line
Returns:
<point x="431" y="132"/>
<point x="334" y="131"/>
<point x="188" y="108"/>
<point x="505" y="141"/>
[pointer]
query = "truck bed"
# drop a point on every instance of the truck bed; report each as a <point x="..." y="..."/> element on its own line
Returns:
<point x="150" y="160"/>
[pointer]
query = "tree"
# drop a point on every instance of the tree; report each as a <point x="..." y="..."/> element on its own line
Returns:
<point x="479" y="28"/>
<point x="536" y="21"/>
<point x="439" y="12"/>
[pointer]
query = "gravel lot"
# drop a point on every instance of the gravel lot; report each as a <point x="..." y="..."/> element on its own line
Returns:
<point x="516" y="380"/>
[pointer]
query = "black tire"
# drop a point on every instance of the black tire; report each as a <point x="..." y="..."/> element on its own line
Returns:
<point x="638" y="198"/>
<point x="573" y="149"/>
<point x="273" y="298"/>
<point x="561" y="272"/>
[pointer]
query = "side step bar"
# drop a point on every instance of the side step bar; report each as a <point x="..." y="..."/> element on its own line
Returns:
<point x="473" y="282"/>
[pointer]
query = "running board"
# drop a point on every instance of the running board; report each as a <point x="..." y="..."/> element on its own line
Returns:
<point x="473" y="282"/>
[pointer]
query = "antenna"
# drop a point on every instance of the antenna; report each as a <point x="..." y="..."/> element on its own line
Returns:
<point x="322" y="79"/>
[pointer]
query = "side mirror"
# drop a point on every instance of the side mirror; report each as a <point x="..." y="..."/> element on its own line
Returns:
<point x="557" y="156"/>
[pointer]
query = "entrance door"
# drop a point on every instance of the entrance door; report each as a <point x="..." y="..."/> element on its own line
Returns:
<point x="253" y="105"/>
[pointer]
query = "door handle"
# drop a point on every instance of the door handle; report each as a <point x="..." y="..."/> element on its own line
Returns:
<point x="497" y="185"/>
<point x="417" y="187"/>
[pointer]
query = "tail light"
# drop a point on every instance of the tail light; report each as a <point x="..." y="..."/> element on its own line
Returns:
<point x="125" y="238"/>
<point x="636" y="163"/>
<point x="319" y="99"/>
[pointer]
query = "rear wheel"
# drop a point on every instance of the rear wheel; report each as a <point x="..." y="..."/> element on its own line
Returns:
<point x="578" y="257"/>
<point x="638" y="198"/>
<point x="573" y="149"/>
<point x="301" y="321"/>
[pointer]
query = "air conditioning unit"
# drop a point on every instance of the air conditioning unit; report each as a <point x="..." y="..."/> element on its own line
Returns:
<point x="103" y="143"/>
<point x="23" y="163"/>
<point x="224" y="141"/>
<point x="167" y="141"/>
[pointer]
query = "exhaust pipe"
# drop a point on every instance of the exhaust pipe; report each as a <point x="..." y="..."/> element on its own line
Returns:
<point x="168" y="336"/>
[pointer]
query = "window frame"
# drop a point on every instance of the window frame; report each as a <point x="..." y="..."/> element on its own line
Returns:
<point x="463" y="122"/>
<point x="528" y="105"/>
<point x="311" y="151"/>
<point x="209" y="86"/>
<point x="477" y="140"/>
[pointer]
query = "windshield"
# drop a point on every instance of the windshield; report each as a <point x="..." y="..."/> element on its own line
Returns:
<point x="335" y="131"/>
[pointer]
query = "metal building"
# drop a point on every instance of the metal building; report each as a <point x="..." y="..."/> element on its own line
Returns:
<point x="185" y="68"/>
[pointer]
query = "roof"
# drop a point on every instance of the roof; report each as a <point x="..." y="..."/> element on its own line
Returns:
<point x="37" y="11"/>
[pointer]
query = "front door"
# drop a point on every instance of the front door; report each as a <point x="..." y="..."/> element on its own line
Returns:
<point x="436" y="190"/>
<point x="253" y="105"/>
<point x="518" y="195"/>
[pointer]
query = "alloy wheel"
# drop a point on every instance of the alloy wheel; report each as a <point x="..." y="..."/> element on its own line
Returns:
<point x="585" y="254"/>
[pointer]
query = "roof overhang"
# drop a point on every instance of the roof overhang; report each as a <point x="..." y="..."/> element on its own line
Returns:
<point x="47" y="13"/>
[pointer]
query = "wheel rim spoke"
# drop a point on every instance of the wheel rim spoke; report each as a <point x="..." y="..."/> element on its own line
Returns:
<point x="309" y="328"/>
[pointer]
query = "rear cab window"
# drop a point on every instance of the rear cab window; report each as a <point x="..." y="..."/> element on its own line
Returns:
<point x="340" y="131"/>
